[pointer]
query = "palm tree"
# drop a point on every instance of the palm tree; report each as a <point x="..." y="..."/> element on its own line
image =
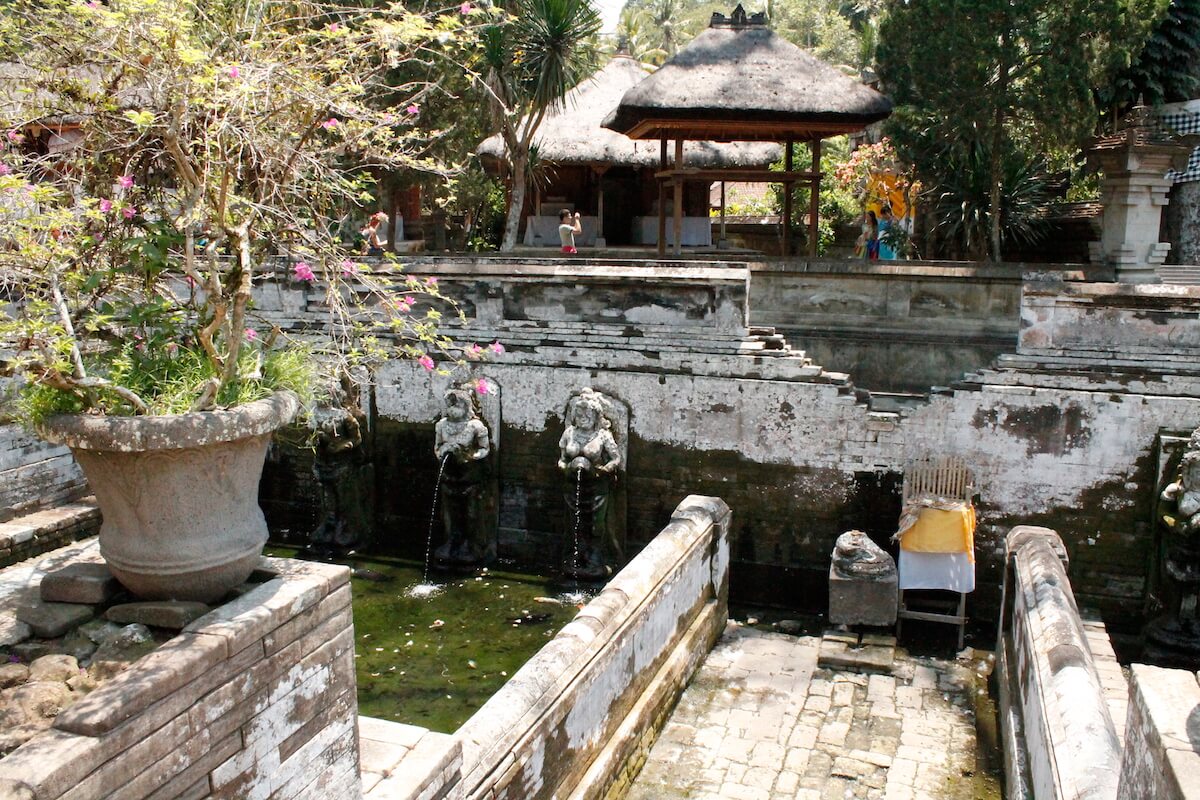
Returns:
<point x="635" y="35"/>
<point x="531" y="60"/>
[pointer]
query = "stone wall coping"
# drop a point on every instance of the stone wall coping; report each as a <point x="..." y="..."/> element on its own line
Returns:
<point x="960" y="270"/>
<point x="598" y="271"/>
<point x="1063" y="293"/>
<point x="490" y="736"/>
<point x="204" y="643"/>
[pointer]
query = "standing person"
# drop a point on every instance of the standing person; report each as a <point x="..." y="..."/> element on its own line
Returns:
<point x="568" y="227"/>
<point x="871" y="231"/>
<point x="375" y="243"/>
<point x="864" y="246"/>
<point x="886" y="223"/>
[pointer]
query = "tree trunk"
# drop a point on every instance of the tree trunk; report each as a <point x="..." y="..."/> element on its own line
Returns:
<point x="997" y="163"/>
<point x="516" y="203"/>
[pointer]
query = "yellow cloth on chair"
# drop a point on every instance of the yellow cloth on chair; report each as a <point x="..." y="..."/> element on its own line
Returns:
<point x="942" y="530"/>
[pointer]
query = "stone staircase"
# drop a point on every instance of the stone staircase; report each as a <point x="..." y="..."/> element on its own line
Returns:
<point x="40" y="531"/>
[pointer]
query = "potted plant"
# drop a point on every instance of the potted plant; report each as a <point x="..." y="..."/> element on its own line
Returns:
<point x="158" y="156"/>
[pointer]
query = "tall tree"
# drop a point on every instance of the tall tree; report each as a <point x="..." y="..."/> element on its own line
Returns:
<point x="999" y="74"/>
<point x="1167" y="70"/>
<point x="531" y="58"/>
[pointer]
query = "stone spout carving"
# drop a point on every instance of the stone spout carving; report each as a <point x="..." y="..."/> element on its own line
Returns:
<point x="862" y="582"/>
<point x="591" y="462"/>
<point x="1173" y="639"/>
<point x="338" y="427"/>
<point x="462" y="445"/>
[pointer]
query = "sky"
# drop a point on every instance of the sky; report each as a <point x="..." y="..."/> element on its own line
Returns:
<point x="610" y="11"/>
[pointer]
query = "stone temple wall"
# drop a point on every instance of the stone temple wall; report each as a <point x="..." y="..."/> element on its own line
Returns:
<point x="1061" y="432"/>
<point x="1056" y="439"/>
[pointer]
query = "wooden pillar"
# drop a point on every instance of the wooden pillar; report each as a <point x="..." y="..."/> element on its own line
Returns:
<point x="721" y="241"/>
<point x="787" y="200"/>
<point x="678" y="226"/>
<point x="600" y="170"/>
<point x="662" y="197"/>
<point x="814" y="199"/>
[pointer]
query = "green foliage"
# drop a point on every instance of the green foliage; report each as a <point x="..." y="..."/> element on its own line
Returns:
<point x="212" y="133"/>
<point x="1167" y="70"/>
<point x="172" y="379"/>
<point x="1009" y="78"/>
<point x="838" y="206"/>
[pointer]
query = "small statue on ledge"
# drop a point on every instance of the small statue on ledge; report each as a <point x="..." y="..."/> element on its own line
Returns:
<point x="338" y="436"/>
<point x="1173" y="639"/>
<point x="462" y="445"/>
<point x="856" y="556"/>
<point x="590" y="461"/>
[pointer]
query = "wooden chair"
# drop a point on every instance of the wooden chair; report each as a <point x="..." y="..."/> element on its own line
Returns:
<point x="943" y="482"/>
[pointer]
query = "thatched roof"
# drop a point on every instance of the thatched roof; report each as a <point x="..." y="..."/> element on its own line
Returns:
<point x="740" y="81"/>
<point x="572" y="134"/>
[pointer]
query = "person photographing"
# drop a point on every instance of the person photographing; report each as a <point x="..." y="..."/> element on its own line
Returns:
<point x="568" y="226"/>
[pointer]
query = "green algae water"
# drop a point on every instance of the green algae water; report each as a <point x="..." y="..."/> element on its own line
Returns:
<point x="434" y="661"/>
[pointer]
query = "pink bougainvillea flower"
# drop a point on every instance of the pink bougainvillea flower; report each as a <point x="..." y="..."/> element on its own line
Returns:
<point x="349" y="267"/>
<point x="15" y="136"/>
<point x="234" y="72"/>
<point x="497" y="348"/>
<point x="482" y="387"/>
<point x="466" y="8"/>
<point x="251" y="334"/>
<point x="303" y="271"/>
<point x="190" y="281"/>
<point x="106" y="205"/>
<point x="426" y="362"/>
<point x="129" y="212"/>
<point x="330" y="123"/>
<point x="125" y="181"/>
<point x="410" y="301"/>
<point x="431" y="281"/>
<point x="92" y="3"/>
<point x="333" y="27"/>
<point x="413" y="109"/>
<point x="474" y="351"/>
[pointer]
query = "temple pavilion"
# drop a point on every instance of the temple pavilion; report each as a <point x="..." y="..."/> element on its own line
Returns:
<point x="740" y="82"/>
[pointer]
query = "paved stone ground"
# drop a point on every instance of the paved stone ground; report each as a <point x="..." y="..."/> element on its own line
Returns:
<point x="760" y="721"/>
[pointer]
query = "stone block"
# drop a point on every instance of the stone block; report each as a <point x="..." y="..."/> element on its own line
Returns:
<point x="855" y="601"/>
<point x="255" y="614"/>
<point x="89" y="583"/>
<point x="171" y="614"/>
<point x="307" y="620"/>
<point x="50" y="620"/>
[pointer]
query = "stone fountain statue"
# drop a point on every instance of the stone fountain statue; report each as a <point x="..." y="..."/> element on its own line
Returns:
<point x="591" y="461"/>
<point x="862" y="582"/>
<point x="338" y="426"/>
<point x="1173" y="639"/>
<point x="462" y="445"/>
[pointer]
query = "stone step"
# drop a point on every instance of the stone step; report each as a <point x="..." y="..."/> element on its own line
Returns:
<point x="28" y="535"/>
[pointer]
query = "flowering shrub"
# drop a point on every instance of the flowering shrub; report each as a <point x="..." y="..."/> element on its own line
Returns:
<point x="158" y="151"/>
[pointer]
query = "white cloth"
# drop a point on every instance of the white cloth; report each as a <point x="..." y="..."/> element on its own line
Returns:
<point x="954" y="572"/>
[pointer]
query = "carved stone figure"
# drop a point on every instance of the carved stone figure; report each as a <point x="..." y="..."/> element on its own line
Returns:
<point x="1173" y="639"/>
<point x="590" y="461"/>
<point x="338" y="427"/>
<point x="462" y="445"/>
<point x="862" y="582"/>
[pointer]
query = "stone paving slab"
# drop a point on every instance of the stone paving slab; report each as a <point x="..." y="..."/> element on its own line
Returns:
<point x="761" y="721"/>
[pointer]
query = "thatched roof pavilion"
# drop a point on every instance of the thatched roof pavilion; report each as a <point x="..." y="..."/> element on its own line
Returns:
<point x="584" y="157"/>
<point x="739" y="81"/>
<point x="572" y="134"/>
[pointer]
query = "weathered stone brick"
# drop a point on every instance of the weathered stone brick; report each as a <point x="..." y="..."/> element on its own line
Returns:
<point x="293" y="629"/>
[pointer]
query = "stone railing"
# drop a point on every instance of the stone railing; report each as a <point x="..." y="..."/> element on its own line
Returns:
<point x="1162" y="738"/>
<point x="576" y="719"/>
<point x="256" y="699"/>
<point x="1059" y="738"/>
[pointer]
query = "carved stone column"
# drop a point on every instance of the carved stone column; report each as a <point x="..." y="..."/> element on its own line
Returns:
<point x="1135" y="161"/>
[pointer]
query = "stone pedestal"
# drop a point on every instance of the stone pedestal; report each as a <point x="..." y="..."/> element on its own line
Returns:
<point x="862" y="601"/>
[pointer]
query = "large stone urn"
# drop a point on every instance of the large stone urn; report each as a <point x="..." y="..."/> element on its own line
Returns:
<point x="179" y="493"/>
